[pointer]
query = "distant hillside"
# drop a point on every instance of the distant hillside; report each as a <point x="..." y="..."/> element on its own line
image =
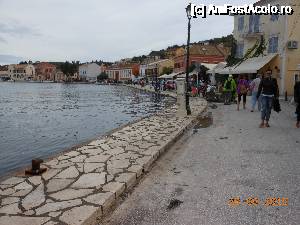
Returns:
<point x="169" y="51"/>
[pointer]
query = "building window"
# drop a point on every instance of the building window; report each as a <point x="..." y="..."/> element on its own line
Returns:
<point x="275" y="17"/>
<point x="254" y="21"/>
<point x="240" y="50"/>
<point x="273" y="45"/>
<point x="241" y="23"/>
<point x="251" y="23"/>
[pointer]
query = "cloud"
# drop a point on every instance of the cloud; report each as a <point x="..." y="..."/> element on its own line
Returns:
<point x="9" y="59"/>
<point x="2" y="40"/>
<point x="15" y="28"/>
<point x="59" y="30"/>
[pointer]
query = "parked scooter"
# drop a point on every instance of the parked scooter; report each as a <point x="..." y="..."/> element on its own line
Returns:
<point x="211" y="94"/>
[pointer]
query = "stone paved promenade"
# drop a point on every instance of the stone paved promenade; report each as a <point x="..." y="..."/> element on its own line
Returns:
<point x="208" y="166"/>
<point x="81" y="185"/>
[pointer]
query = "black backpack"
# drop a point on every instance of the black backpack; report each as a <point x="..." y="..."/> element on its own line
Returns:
<point x="228" y="85"/>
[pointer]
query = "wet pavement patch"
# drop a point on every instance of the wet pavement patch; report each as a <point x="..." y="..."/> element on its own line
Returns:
<point x="213" y="106"/>
<point x="174" y="203"/>
<point x="203" y="122"/>
<point x="178" y="190"/>
<point x="223" y="138"/>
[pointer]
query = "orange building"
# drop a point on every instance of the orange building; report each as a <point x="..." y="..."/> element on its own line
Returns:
<point x="122" y="72"/>
<point x="200" y="53"/>
<point x="45" y="71"/>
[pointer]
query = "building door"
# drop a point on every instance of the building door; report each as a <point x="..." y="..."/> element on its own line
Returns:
<point x="117" y="76"/>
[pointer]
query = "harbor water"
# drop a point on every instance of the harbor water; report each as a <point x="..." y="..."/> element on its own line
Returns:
<point x="43" y="119"/>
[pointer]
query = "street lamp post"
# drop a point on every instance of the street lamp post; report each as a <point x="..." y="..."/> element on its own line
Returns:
<point x="187" y="100"/>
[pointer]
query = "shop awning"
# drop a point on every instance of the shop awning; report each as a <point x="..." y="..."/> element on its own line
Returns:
<point x="217" y="67"/>
<point x="168" y="76"/>
<point x="209" y="66"/>
<point x="251" y="65"/>
<point x="183" y="74"/>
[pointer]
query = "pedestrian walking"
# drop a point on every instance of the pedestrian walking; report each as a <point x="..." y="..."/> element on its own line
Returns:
<point x="242" y="91"/>
<point x="297" y="101"/>
<point x="268" y="88"/>
<point x="254" y="89"/>
<point x="229" y="90"/>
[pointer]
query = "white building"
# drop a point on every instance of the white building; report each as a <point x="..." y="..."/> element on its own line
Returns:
<point x="143" y="68"/>
<point x="119" y="73"/>
<point x="21" y="71"/>
<point x="89" y="71"/>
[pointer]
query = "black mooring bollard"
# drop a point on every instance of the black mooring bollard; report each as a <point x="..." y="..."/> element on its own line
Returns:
<point x="36" y="167"/>
<point x="285" y="96"/>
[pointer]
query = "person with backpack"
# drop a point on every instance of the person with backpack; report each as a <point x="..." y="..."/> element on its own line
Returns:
<point x="297" y="101"/>
<point x="229" y="89"/>
<point x="268" y="88"/>
<point x="242" y="91"/>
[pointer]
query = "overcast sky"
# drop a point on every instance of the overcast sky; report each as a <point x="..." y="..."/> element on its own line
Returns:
<point x="60" y="30"/>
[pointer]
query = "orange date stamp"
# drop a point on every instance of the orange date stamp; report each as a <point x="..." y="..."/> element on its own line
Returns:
<point x="254" y="201"/>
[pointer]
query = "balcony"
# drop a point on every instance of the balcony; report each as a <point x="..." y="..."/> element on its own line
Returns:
<point x="253" y="34"/>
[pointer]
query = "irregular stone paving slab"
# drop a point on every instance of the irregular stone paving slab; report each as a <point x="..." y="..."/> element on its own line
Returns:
<point x="10" y="209"/>
<point x="90" y="167"/>
<point x="55" y="206"/>
<point x="72" y="153"/>
<point x="55" y="214"/>
<point x="98" y="158"/>
<point x="51" y="223"/>
<point x="13" y="180"/>
<point x="105" y="200"/>
<point x="9" y="200"/>
<point x="128" y="178"/>
<point x="69" y="194"/>
<point x="96" y="151"/>
<point x="36" y="180"/>
<point x="79" y="158"/>
<point x="90" y="180"/>
<point x="119" y="163"/>
<point x="62" y="165"/>
<point x="114" y="187"/>
<point x="137" y="169"/>
<point x="50" y="173"/>
<point x="35" y="198"/>
<point x="70" y="172"/>
<point x="81" y="185"/>
<point x="58" y="184"/>
<point x="80" y="215"/>
<point x="7" y="192"/>
<point x="22" y="189"/>
<point x="21" y="220"/>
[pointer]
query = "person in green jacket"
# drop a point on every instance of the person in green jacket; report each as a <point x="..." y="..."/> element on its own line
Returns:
<point x="229" y="89"/>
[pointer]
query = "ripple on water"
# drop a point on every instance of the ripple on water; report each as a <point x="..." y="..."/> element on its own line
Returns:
<point x="39" y="120"/>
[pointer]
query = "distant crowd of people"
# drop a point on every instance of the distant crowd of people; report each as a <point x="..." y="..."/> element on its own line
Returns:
<point x="265" y="93"/>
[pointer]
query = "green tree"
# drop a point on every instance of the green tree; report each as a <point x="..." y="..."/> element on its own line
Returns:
<point x="102" y="76"/>
<point x="167" y="70"/>
<point x="69" y="68"/>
